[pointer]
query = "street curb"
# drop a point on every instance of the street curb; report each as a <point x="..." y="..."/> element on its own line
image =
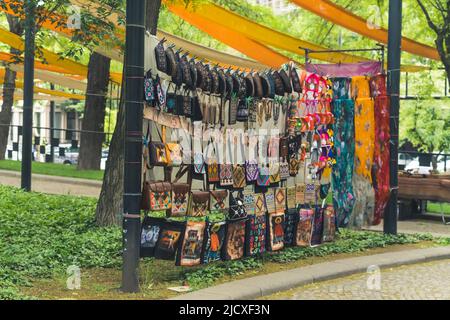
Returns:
<point x="259" y="286"/>
<point x="68" y="180"/>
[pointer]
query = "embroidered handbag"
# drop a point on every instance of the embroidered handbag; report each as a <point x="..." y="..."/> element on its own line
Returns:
<point x="213" y="171"/>
<point x="234" y="244"/>
<point x="233" y="110"/>
<point x="171" y="100"/>
<point x="263" y="177"/>
<point x="174" y="153"/>
<point x="294" y="167"/>
<point x="160" y="95"/>
<point x="304" y="228"/>
<point x="187" y="104"/>
<point x="180" y="199"/>
<point x="237" y="208"/>
<point x="300" y="193"/>
<point x="214" y="239"/>
<point x="279" y="86"/>
<point x="290" y="225"/>
<point x="284" y="147"/>
<point x="239" y="176"/>
<point x="187" y="79"/>
<point x="274" y="170"/>
<point x="260" y="204"/>
<point x="284" y="170"/>
<point x="295" y="80"/>
<point x="197" y="113"/>
<point x="329" y="224"/>
<point x="171" y="62"/>
<point x="199" y="204"/>
<point x="160" y="195"/>
<point x="273" y="150"/>
<point x="291" y="197"/>
<point x="242" y="111"/>
<point x="191" y="244"/>
<point x="149" y="89"/>
<point x="286" y="81"/>
<point x="150" y="230"/>
<point x="179" y="105"/>
<point x="310" y="193"/>
<point x="317" y="232"/>
<point x="218" y="202"/>
<point x="226" y="175"/>
<point x="199" y="163"/>
<point x="275" y="232"/>
<point x="249" y="201"/>
<point x="280" y="200"/>
<point x="270" y="201"/>
<point x="160" y="55"/>
<point x="255" y="240"/>
<point x="251" y="170"/>
<point x="169" y="240"/>
<point x="257" y="81"/>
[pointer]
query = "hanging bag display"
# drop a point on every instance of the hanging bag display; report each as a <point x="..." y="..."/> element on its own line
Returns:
<point x="280" y="199"/>
<point x="263" y="176"/>
<point x="180" y="194"/>
<point x="219" y="201"/>
<point x="274" y="170"/>
<point x="304" y="228"/>
<point x="160" y="195"/>
<point x="290" y="225"/>
<point x="214" y="239"/>
<point x="234" y="245"/>
<point x="169" y="240"/>
<point x="270" y="201"/>
<point x="260" y="204"/>
<point x="150" y="230"/>
<point x="249" y="201"/>
<point x="239" y="178"/>
<point x="255" y="239"/>
<point x="160" y="55"/>
<point x="213" y="164"/>
<point x="275" y="234"/>
<point x="199" y="204"/>
<point x="191" y="244"/>
<point x="236" y="209"/>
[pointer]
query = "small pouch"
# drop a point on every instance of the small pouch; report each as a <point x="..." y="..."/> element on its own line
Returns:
<point x="171" y="99"/>
<point x="263" y="177"/>
<point x="260" y="204"/>
<point x="274" y="170"/>
<point x="199" y="204"/>
<point x="160" y="195"/>
<point x="149" y="89"/>
<point x="236" y="209"/>
<point x="291" y="194"/>
<point x="239" y="181"/>
<point x="218" y="202"/>
<point x="249" y="201"/>
<point x="280" y="200"/>
<point x="160" y="55"/>
<point x="270" y="201"/>
<point x="180" y="199"/>
<point x="294" y="167"/>
<point x="310" y="193"/>
<point x="251" y="170"/>
<point x="284" y="170"/>
<point x="300" y="194"/>
<point x="233" y="110"/>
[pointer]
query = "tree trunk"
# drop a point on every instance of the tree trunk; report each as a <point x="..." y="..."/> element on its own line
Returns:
<point x="91" y="142"/>
<point x="110" y="204"/>
<point x="9" y="87"/>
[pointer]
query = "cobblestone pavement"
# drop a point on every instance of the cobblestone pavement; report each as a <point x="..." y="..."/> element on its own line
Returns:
<point x="429" y="281"/>
<point x="435" y="228"/>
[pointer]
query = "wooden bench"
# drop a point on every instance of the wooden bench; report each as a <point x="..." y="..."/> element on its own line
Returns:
<point x="425" y="187"/>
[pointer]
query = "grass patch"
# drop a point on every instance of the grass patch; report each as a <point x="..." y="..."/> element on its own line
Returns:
<point x="435" y="207"/>
<point x="42" y="235"/>
<point x="54" y="169"/>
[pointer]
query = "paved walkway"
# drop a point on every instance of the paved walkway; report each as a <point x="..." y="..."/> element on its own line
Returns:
<point x="435" y="228"/>
<point x="427" y="281"/>
<point x="54" y="185"/>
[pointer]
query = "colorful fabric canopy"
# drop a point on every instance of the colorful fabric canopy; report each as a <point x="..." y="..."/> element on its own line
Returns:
<point x="340" y="16"/>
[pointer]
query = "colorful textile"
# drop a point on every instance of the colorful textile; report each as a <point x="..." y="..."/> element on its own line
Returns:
<point x="363" y="211"/>
<point x="343" y="196"/>
<point x="380" y="170"/>
<point x="345" y="69"/>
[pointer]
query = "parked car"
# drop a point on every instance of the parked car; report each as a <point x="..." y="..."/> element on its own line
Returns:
<point x="70" y="154"/>
<point x="415" y="167"/>
<point x="404" y="159"/>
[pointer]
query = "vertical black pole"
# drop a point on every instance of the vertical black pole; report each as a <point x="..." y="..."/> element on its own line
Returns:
<point x="134" y="83"/>
<point x="394" y="59"/>
<point x="30" y="26"/>
<point x="52" y="125"/>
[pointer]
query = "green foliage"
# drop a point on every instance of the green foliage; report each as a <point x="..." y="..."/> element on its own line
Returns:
<point x="54" y="169"/>
<point x="42" y="235"/>
<point x="426" y="124"/>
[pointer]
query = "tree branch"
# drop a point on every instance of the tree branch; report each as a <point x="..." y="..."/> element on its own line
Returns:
<point x="429" y="20"/>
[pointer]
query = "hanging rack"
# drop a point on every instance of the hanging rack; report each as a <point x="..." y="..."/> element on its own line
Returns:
<point x="380" y="47"/>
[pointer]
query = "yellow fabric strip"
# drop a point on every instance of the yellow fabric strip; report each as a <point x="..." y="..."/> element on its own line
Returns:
<point x="340" y="16"/>
<point x="70" y="66"/>
<point x="265" y="35"/>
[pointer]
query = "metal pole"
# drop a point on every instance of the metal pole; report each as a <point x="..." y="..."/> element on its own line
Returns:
<point x="134" y="82"/>
<point x="52" y="126"/>
<point x="406" y="86"/>
<point x="394" y="59"/>
<point x="30" y="27"/>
